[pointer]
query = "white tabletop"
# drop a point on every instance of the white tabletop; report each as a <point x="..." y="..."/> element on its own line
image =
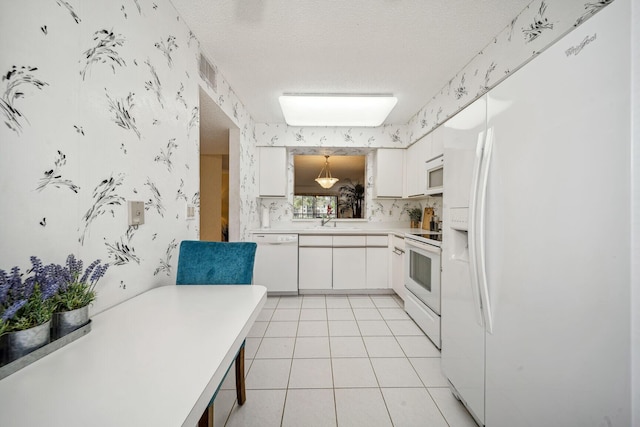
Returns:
<point x="154" y="360"/>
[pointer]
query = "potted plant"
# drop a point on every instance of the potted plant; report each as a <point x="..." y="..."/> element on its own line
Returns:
<point x="75" y="293"/>
<point x="415" y="215"/>
<point x="351" y="199"/>
<point x="26" y="308"/>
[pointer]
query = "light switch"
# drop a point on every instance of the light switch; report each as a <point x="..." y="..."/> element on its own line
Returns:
<point x="136" y="213"/>
<point x="191" y="211"/>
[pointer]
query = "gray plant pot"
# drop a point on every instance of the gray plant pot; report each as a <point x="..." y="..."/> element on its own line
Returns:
<point x="65" y="322"/>
<point x="19" y="343"/>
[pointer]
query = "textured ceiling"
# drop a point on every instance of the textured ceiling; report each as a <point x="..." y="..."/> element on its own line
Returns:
<point x="409" y="48"/>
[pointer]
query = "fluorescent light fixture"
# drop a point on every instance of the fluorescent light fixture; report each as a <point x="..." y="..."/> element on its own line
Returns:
<point x="336" y="110"/>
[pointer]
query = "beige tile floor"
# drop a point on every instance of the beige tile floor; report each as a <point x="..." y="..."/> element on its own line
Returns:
<point x="346" y="361"/>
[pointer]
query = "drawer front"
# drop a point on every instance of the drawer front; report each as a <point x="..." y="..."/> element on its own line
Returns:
<point x="424" y="317"/>
<point x="398" y="242"/>
<point x="314" y="240"/>
<point x="341" y="241"/>
<point x="378" y="240"/>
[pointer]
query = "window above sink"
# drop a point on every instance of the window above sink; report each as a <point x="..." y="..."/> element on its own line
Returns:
<point x="344" y="200"/>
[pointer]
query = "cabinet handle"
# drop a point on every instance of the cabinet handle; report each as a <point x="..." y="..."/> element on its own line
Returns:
<point x="398" y="251"/>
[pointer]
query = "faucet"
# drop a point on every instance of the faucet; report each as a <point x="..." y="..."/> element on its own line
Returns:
<point x="324" y="221"/>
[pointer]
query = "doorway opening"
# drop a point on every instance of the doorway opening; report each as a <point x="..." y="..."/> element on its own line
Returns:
<point x="219" y="202"/>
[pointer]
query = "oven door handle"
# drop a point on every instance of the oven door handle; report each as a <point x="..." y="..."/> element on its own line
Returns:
<point x="422" y="246"/>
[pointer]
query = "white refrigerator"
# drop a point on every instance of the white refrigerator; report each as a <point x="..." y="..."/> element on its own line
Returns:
<point x="536" y="249"/>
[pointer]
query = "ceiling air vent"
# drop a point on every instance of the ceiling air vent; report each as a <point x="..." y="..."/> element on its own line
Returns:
<point x="208" y="72"/>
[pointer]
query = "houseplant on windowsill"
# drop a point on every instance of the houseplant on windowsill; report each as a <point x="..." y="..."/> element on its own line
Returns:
<point x="26" y="308"/>
<point x="75" y="293"/>
<point x="415" y="215"/>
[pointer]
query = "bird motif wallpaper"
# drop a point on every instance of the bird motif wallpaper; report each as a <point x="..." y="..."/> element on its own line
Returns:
<point x="99" y="106"/>
<point x="540" y="24"/>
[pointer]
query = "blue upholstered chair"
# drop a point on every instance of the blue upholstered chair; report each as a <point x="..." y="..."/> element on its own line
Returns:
<point x="218" y="263"/>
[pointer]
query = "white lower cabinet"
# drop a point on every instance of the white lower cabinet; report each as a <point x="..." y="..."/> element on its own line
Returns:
<point x="315" y="262"/>
<point x="377" y="262"/>
<point x="314" y="268"/>
<point x="344" y="262"/>
<point x="349" y="268"/>
<point x="377" y="268"/>
<point x="397" y="265"/>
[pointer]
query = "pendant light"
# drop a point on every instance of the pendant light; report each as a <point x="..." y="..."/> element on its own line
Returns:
<point x="327" y="180"/>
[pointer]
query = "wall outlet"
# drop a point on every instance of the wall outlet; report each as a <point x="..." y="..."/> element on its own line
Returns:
<point x="136" y="213"/>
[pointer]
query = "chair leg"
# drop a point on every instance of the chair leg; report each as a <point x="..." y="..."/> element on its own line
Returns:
<point x="206" y="420"/>
<point x="240" y="386"/>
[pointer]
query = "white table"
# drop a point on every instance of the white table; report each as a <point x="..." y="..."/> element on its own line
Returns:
<point x="154" y="360"/>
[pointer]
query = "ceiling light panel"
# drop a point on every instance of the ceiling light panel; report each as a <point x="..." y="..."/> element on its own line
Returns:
<point x="336" y="110"/>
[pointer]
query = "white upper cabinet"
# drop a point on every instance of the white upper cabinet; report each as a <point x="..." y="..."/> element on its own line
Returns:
<point x="416" y="174"/>
<point x="273" y="172"/>
<point x="389" y="172"/>
<point x="437" y="143"/>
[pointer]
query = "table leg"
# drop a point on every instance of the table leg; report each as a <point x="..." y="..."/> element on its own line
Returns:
<point x="206" y="420"/>
<point x="240" y="386"/>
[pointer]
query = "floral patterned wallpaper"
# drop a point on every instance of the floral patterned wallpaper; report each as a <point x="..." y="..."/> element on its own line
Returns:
<point x="534" y="29"/>
<point x="100" y="106"/>
<point x="537" y="27"/>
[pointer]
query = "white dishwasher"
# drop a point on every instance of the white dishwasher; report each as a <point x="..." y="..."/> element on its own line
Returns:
<point x="276" y="265"/>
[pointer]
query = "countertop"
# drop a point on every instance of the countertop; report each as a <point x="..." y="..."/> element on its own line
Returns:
<point x="329" y="229"/>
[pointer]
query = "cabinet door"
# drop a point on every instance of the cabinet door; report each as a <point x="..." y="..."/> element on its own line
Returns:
<point x="378" y="268"/>
<point x="411" y="171"/>
<point x="273" y="172"/>
<point x="437" y="144"/>
<point x="415" y="166"/>
<point x="314" y="268"/>
<point x="397" y="266"/>
<point x="349" y="268"/>
<point x="423" y="154"/>
<point x="389" y="172"/>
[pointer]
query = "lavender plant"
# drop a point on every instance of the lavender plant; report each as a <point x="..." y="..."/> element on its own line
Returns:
<point x="78" y="287"/>
<point x="28" y="303"/>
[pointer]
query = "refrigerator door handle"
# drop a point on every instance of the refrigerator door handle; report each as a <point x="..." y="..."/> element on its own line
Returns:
<point x="473" y="256"/>
<point x="481" y="230"/>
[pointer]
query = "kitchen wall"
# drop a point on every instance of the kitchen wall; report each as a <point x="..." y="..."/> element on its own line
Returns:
<point x="528" y="34"/>
<point x="531" y="32"/>
<point x="100" y="106"/>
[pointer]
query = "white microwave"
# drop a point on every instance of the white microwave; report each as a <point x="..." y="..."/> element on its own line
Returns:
<point x="435" y="175"/>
